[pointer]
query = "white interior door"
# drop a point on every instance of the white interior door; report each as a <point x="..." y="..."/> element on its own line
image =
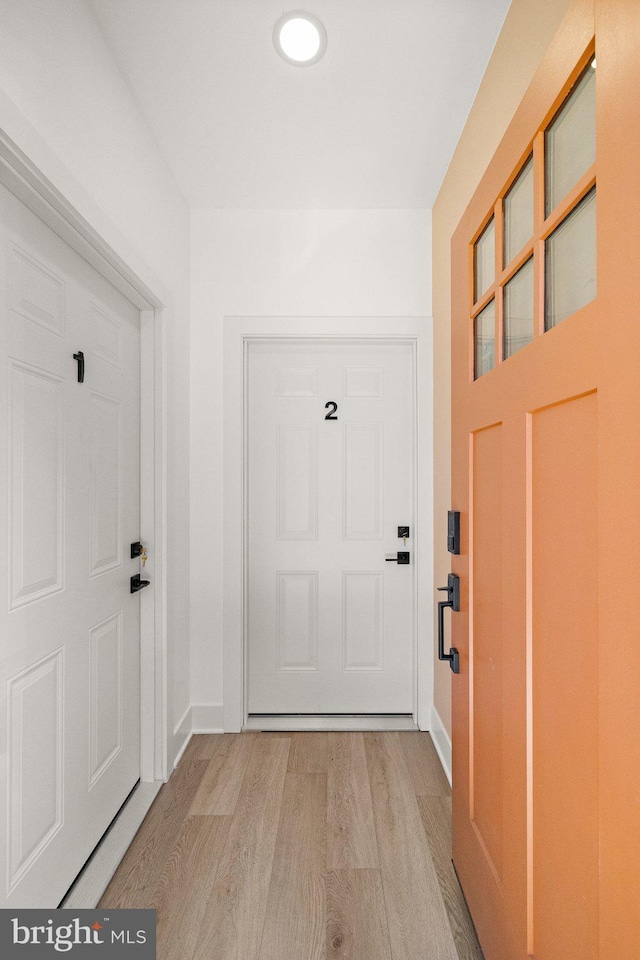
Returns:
<point x="330" y="621"/>
<point x="69" y="472"/>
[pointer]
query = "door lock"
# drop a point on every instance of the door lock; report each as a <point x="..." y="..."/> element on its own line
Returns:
<point x="453" y="531"/>
<point x="402" y="557"/>
<point x="137" y="550"/>
<point x="136" y="583"/>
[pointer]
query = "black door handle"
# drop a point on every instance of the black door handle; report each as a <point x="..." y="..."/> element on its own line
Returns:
<point x="402" y="557"/>
<point x="453" y="601"/>
<point x="138" y="584"/>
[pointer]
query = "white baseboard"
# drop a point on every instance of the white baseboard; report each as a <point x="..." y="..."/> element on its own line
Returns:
<point x="198" y="718"/>
<point x="207" y="718"/>
<point x="181" y="736"/>
<point x="442" y="743"/>
<point x="92" y="883"/>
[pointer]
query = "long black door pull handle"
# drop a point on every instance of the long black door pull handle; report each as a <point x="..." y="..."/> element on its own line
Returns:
<point x="453" y="601"/>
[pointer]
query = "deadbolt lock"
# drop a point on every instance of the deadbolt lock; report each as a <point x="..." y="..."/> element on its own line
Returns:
<point x="137" y="550"/>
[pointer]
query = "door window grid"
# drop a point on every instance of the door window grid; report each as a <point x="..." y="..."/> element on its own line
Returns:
<point x="484" y="259"/>
<point x="544" y="226"/>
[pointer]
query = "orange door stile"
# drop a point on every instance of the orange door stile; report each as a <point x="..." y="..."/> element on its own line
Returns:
<point x="618" y="33"/>
<point x="546" y="476"/>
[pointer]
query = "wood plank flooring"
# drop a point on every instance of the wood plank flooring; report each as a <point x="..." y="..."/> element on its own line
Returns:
<point x="304" y="846"/>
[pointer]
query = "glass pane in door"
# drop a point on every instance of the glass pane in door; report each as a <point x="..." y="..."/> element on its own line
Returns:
<point x="518" y="310"/>
<point x="518" y="213"/>
<point x="485" y="260"/>
<point x="570" y="141"/>
<point x="570" y="263"/>
<point x="485" y="340"/>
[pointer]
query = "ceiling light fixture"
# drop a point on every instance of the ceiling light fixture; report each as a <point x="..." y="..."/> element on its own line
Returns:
<point x="300" y="38"/>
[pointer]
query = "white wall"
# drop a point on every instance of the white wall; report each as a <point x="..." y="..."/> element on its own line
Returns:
<point x="278" y="263"/>
<point x="64" y="103"/>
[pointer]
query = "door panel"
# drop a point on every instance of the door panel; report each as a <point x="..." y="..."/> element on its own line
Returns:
<point x="546" y="727"/>
<point x="105" y="723"/>
<point x="488" y="718"/>
<point x="105" y="439"/>
<point x="330" y="621"/>
<point x="565" y="688"/>
<point x="362" y="493"/>
<point x="363" y="625"/>
<point x="297" y="620"/>
<point x="36" y="505"/>
<point x="36" y="753"/>
<point x="69" y="466"/>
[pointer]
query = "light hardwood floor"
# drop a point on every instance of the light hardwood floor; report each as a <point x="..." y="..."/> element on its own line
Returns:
<point x="301" y="846"/>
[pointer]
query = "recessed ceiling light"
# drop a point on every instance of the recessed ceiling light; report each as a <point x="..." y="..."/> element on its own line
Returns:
<point x="300" y="38"/>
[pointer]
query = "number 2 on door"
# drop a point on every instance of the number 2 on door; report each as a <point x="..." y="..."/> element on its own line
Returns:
<point x="332" y="412"/>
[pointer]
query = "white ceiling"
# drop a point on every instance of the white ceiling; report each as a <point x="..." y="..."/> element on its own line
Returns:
<point x="373" y="124"/>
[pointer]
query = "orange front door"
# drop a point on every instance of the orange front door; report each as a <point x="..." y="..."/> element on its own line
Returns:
<point x="546" y="468"/>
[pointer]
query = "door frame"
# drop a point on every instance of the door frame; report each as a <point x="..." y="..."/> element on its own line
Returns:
<point x="238" y="333"/>
<point x="27" y="181"/>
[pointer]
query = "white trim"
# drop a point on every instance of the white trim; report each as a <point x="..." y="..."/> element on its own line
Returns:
<point x="383" y="722"/>
<point x="425" y="586"/>
<point x="207" y="718"/>
<point x="155" y="715"/>
<point x="442" y="743"/>
<point x="238" y="331"/>
<point x="86" y="892"/>
<point x="26" y="181"/>
<point x="179" y="752"/>
<point x="199" y="718"/>
<point x="181" y="736"/>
